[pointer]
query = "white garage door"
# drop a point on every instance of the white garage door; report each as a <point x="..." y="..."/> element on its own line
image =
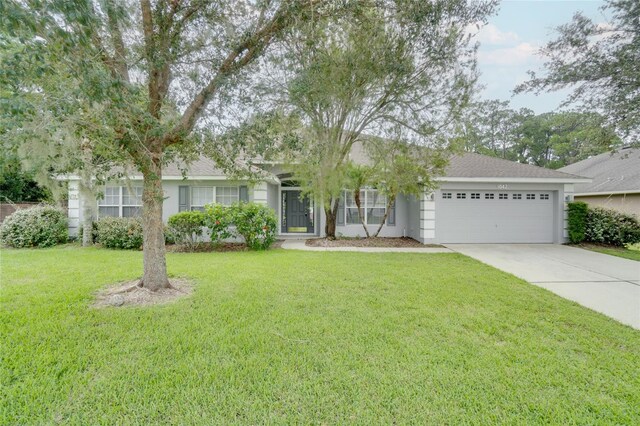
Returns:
<point x="494" y="216"/>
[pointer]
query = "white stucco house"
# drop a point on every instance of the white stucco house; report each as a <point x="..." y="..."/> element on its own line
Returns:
<point x="480" y="199"/>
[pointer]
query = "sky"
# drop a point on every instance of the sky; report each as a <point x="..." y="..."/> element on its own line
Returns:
<point x="510" y="41"/>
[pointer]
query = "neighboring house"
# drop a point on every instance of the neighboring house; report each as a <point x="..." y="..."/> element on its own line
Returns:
<point x="615" y="180"/>
<point x="480" y="200"/>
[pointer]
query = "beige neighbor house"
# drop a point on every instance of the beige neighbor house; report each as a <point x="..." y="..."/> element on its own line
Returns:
<point x="480" y="199"/>
<point x="615" y="180"/>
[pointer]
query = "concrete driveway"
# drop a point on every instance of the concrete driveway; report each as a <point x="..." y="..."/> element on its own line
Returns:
<point x="607" y="284"/>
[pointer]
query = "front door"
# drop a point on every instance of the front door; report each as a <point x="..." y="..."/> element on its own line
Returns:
<point x="298" y="213"/>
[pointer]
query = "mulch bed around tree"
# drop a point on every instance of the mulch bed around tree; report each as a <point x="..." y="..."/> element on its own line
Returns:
<point x="368" y="242"/>
<point x="209" y="247"/>
<point x="131" y="294"/>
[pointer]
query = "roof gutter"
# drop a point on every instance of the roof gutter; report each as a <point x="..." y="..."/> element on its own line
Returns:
<point x="268" y="179"/>
<point x="512" y="180"/>
<point x="605" y="193"/>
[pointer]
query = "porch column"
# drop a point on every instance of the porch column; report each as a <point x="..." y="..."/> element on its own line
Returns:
<point x="427" y="217"/>
<point x="73" y="208"/>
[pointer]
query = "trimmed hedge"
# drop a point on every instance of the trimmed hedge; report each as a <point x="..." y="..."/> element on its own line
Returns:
<point x="40" y="226"/>
<point x="607" y="226"/>
<point x="577" y="218"/>
<point x="186" y="227"/>
<point x="120" y="232"/>
<point x="218" y="220"/>
<point x="256" y="224"/>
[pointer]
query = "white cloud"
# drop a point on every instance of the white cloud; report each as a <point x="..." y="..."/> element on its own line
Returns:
<point x="521" y="54"/>
<point x="492" y="35"/>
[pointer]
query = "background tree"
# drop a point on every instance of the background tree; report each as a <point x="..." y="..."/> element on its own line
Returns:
<point x="16" y="185"/>
<point x="409" y="65"/>
<point x="600" y="63"/>
<point x="549" y="140"/>
<point x="155" y="69"/>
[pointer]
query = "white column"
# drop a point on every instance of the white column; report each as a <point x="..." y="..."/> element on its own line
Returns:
<point x="567" y="198"/>
<point x="427" y="216"/>
<point x="74" y="211"/>
<point x="260" y="193"/>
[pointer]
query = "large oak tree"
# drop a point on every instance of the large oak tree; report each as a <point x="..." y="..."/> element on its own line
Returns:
<point x="145" y="73"/>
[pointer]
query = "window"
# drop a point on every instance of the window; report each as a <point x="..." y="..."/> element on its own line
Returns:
<point x="131" y="201"/>
<point x="488" y="196"/>
<point x="351" y="209"/>
<point x="475" y="196"/>
<point x="446" y="195"/>
<point x="374" y="206"/>
<point x="517" y="196"/>
<point x="227" y="195"/>
<point x="461" y="195"/>
<point x="503" y="196"/>
<point x="120" y="201"/>
<point x="544" y="196"/>
<point x="531" y="196"/>
<point x="201" y="195"/>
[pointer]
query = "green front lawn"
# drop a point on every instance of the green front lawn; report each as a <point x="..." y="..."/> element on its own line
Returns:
<point x="305" y="337"/>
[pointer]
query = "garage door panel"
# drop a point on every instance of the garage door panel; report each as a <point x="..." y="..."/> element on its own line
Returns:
<point x="495" y="220"/>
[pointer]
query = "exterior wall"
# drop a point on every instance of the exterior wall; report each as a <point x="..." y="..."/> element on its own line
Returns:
<point x="413" y="218"/>
<point x="170" y="205"/>
<point x="273" y="199"/>
<point x="625" y="203"/>
<point x="559" y="192"/>
<point x="400" y="229"/>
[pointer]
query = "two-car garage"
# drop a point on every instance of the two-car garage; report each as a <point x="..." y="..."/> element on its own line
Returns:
<point x="496" y="216"/>
<point x="483" y="199"/>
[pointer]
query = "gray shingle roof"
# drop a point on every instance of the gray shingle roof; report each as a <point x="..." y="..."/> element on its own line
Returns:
<point x="477" y="165"/>
<point x="467" y="165"/>
<point x="611" y="172"/>
<point x="203" y="166"/>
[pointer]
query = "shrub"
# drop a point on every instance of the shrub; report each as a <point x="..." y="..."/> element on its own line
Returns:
<point x="120" y="232"/>
<point x="577" y="218"/>
<point x="169" y="236"/>
<point x="186" y="227"/>
<point x="611" y="227"/>
<point x="40" y="226"/>
<point x="256" y="224"/>
<point x="218" y="220"/>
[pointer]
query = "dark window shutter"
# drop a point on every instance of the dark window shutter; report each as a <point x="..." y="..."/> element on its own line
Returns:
<point x="244" y="194"/>
<point x="183" y="199"/>
<point x="340" y="218"/>
<point x="391" y="217"/>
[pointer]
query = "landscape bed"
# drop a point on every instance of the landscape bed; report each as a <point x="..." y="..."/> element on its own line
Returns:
<point x="367" y="242"/>
<point x="305" y="337"/>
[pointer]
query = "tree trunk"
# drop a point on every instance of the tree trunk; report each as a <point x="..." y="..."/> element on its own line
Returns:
<point x="386" y="213"/>
<point x="331" y="214"/>
<point x="87" y="194"/>
<point x="356" y="197"/>
<point x="155" y="265"/>
<point x="88" y="202"/>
